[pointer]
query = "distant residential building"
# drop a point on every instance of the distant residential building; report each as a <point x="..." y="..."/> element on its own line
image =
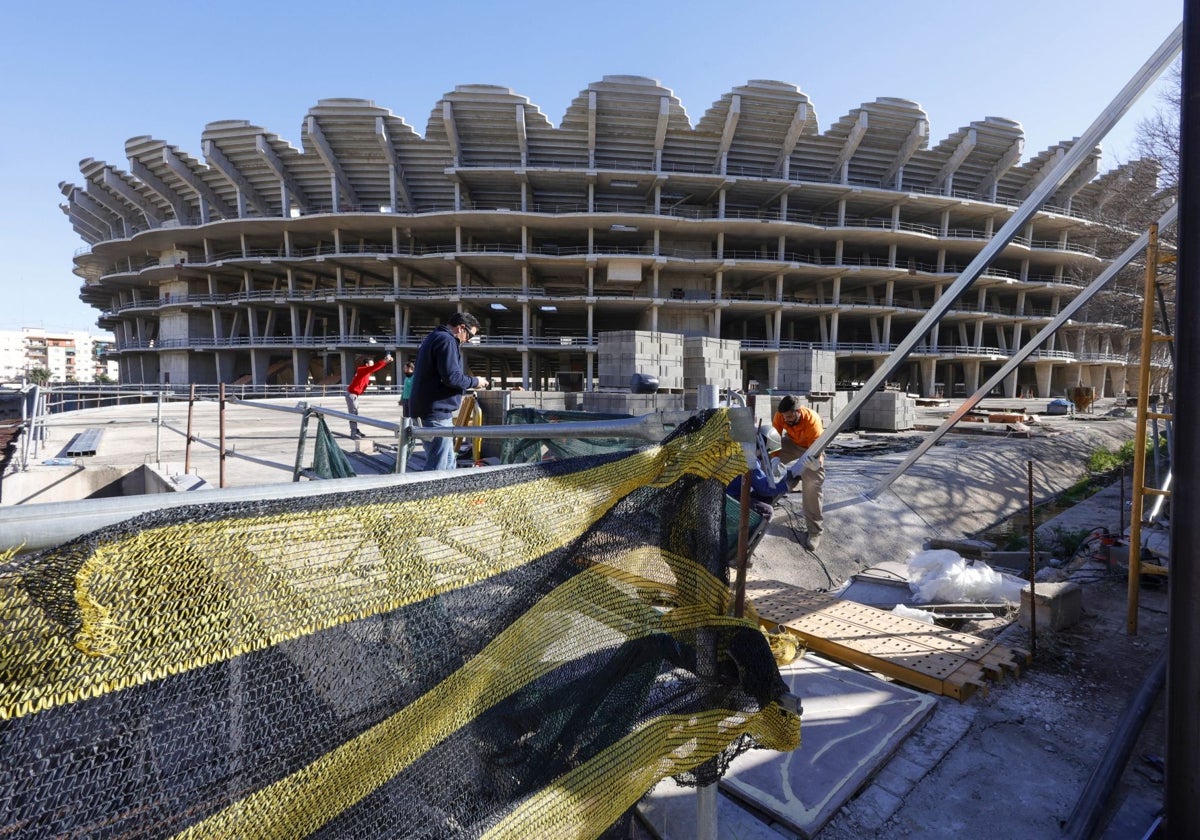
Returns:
<point x="70" y="356"/>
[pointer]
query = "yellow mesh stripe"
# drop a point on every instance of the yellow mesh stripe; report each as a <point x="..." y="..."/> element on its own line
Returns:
<point x="540" y="641"/>
<point x="168" y="600"/>
<point x="591" y="797"/>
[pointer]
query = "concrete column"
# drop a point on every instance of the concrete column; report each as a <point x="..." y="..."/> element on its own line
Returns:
<point x="773" y="371"/>
<point x="525" y="370"/>
<point x="1010" y="386"/>
<point x="928" y="368"/>
<point x="1118" y="374"/>
<point x="833" y="330"/>
<point x="1044" y="371"/>
<point x="971" y="369"/>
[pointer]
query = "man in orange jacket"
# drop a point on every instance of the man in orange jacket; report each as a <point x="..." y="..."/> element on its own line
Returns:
<point x="799" y="427"/>
<point x="358" y="384"/>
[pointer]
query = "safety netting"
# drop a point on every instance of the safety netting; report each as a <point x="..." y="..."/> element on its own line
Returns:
<point x="533" y="449"/>
<point x="519" y="652"/>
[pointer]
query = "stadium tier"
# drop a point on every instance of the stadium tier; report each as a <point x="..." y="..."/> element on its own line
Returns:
<point x="268" y="263"/>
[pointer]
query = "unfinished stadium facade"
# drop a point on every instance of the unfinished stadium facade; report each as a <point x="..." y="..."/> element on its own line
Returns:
<point x="266" y="263"/>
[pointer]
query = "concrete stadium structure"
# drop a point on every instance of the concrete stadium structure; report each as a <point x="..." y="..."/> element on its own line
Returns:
<point x="270" y="264"/>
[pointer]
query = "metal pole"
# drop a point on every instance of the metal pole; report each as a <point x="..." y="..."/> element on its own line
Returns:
<point x="1021" y="355"/>
<point x="1183" y="631"/>
<point x="1081" y="148"/>
<point x="739" y="588"/>
<point x="158" y="429"/>
<point x="1136" y="512"/>
<point x="1032" y="570"/>
<point x="221" y="441"/>
<point x="187" y="446"/>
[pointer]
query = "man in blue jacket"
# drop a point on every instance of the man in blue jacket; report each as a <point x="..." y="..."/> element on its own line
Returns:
<point x="439" y="384"/>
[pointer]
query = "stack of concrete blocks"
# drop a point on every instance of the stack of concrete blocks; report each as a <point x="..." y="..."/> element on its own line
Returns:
<point x="807" y="372"/>
<point x="888" y="411"/>
<point x="711" y="361"/>
<point x="622" y="353"/>
<point x="618" y="402"/>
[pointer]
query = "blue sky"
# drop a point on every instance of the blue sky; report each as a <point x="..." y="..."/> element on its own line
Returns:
<point x="78" y="79"/>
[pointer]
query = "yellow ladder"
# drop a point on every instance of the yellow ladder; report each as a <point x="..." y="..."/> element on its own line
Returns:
<point x="1137" y="567"/>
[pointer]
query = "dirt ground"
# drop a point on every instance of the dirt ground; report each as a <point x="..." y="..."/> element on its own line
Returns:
<point x="1033" y="742"/>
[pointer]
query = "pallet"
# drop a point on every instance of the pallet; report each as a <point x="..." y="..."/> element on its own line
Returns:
<point x="911" y="652"/>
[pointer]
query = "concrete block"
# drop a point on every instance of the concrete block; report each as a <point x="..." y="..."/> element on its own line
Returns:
<point x="1058" y="605"/>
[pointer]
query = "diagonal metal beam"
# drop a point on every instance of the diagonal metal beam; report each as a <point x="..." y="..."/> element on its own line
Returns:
<point x="1047" y="167"/>
<point x="1021" y="355"/>
<point x="1136" y="86"/>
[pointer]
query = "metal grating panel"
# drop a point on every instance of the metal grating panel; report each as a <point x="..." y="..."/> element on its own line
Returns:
<point x="921" y="655"/>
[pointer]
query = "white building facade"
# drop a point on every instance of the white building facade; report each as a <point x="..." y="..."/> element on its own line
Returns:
<point x="69" y="356"/>
<point x="266" y="262"/>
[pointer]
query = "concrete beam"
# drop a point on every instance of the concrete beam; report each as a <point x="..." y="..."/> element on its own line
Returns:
<point x="944" y="180"/>
<point x="121" y="187"/>
<point x="731" y="121"/>
<point x="841" y="165"/>
<point x="289" y="188"/>
<point x="246" y="191"/>
<point x="398" y="186"/>
<point x="795" y="130"/>
<point x="178" y="203"/>
<point x="911" y="143"/>
<point x="987" y="187"/>
<point x="325" y="152"/>
<point x="1047" y="167"/>
<point x="660" y="130"/>
<point x="203" y="190"/>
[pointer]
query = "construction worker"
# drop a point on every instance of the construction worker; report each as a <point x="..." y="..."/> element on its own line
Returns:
<point x="439" y="384"/>
<point x="768" y="484"/>
<point x="358" y="384"/>
<point x="798" y="427"/>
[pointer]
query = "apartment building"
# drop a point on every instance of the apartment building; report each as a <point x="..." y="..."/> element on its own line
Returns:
<point x="70" y="356"/>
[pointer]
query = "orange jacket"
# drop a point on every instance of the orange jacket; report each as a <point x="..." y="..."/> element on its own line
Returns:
<point x="806" y="430"/>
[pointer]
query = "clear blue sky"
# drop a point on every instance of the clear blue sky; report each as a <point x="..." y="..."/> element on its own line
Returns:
<point x="78" y="79"/>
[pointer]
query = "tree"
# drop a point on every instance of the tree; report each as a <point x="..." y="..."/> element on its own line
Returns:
<point x="39" y="375"/>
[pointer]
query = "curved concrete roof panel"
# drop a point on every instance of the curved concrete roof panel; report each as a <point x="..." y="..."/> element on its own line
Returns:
<point x="353" y="155"/>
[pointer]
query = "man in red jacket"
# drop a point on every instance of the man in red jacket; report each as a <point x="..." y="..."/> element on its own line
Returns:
<point x="358" y="384"/>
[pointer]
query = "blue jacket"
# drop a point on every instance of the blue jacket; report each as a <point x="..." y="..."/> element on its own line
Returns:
<point x="438" y="383"/>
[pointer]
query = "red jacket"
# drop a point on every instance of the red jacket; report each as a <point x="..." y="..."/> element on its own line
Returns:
<point x="362" y="376"/>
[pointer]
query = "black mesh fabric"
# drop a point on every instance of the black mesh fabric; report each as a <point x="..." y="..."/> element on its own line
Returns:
<point x="510" y="653"/>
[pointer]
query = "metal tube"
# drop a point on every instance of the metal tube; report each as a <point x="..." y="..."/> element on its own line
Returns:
<point x="743" y="546"/>
<point x="1183" y="633"/>
<point x="1082" y="147"/>
<point x="1021" y="355"/>
<point x="187" y="446"/>
<point x="1098" y="790"/>
<point x="221" y="436"/>
<point x="1032" y="569"/>
<point x="158" y="429"/>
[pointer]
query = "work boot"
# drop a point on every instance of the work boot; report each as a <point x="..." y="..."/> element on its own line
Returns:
<point x="813" y="542"/>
